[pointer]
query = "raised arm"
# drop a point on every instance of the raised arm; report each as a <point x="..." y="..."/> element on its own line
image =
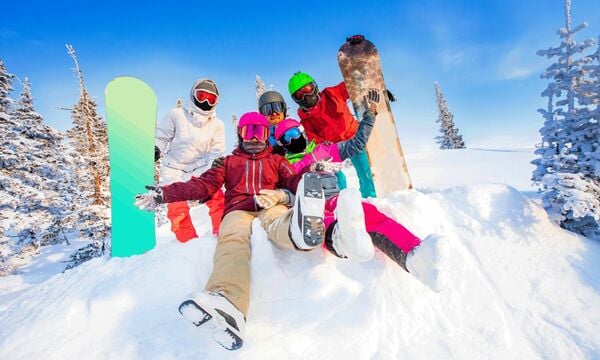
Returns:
<point x="358" y="142"/>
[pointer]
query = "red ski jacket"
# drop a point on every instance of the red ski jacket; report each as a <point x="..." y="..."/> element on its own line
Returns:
<point x="243" y="174"/>
<point x="331" y="119"/>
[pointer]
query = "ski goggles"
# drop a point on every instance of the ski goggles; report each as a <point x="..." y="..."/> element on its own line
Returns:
<point x="273" y="107"/>
<point x="304" y="91"/>
<point x="249" y="132"/>
<point x="289" y="135"/>
<point x="205" y="95"/>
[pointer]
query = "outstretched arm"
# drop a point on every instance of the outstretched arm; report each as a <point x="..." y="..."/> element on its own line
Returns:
<point x="199" y="188"/>
<point x="357" y="144"/>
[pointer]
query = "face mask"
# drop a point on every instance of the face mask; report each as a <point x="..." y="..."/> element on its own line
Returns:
<point x="203" y="105"/>
<point x="296" y="145"/>
<point x="309" y="101"/>
<point x="253" y="147"/>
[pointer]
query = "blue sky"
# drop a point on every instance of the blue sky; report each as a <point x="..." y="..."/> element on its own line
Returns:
<point x="482" y="54"/>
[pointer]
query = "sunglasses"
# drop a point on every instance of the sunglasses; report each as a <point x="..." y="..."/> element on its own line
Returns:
<point x="248" y="132"/>
<point x="204" y="95"/>
<point x="307" y="89"/>
<point x="289" y="135"/>
<point x="273" y="107"/>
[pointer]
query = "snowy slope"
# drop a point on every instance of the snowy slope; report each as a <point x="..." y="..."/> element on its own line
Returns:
<point x="442" y="169"/>
<point x="521" y="287"/>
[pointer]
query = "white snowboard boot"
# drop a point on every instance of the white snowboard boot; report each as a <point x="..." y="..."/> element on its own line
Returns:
<point x="306" y="226"/>
<point x="350" y="237"/>
<point x="213" y="310"/>
<point x="429" y="262"/>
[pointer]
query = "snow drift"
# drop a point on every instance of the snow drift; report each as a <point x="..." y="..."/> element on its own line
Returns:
<point x="520" y="287"/>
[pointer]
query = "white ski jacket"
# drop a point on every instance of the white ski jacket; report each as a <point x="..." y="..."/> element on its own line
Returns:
<point x="190" y="140"/>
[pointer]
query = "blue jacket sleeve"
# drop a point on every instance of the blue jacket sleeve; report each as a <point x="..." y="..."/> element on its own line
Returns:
<point x="357" y="144"/>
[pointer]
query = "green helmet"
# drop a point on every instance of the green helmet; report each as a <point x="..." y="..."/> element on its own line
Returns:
<point x="298" y="80"/>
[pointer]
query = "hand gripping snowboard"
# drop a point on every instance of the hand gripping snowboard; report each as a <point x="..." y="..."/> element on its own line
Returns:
<point x="361" y="68"/>
<point x="131" y="120"/>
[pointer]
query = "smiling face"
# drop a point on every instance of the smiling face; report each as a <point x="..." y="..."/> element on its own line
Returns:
<point x="275" y="118"/>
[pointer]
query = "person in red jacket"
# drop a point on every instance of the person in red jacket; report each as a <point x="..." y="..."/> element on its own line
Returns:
<point x="326" y="117"/>
<point x="258" y="184"/>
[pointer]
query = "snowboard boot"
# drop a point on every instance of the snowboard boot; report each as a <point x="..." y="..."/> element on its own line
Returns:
<point x="429" y="261"/>
<point x="306" y="226"/>
<point x="214" y="311"/>
<point x="389" y="248"/>
<point x="350" y="238"/>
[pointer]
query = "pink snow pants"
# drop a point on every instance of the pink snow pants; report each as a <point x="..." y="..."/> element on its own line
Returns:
<point x="389" y="236"/>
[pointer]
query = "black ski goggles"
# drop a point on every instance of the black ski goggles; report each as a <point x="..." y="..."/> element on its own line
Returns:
<point x="272" y="107"/>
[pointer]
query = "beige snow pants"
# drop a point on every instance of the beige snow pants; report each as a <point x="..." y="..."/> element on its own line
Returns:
<point x="231" y="262"/>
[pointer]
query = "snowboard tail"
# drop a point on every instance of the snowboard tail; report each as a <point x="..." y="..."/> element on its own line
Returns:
<point x="131" y="120"/>
<point x="361" y="68"/>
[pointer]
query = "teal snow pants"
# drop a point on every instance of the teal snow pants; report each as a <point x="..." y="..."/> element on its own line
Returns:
<point x="365" y="177"/>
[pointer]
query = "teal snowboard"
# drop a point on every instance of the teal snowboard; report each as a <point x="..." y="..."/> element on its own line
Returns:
<point x="131" y="120"/>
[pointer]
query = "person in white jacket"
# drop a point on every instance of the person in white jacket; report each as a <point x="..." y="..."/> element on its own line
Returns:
<point x="191" y="137"/>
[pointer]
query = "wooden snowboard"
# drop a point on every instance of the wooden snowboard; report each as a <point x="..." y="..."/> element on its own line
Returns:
<point x="361" y="68"/>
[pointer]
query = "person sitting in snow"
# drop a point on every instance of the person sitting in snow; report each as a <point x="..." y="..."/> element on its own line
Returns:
<point x="353" y="226"/>
<point x="258" y="184"/>
<point x="191" y="137"/>
<point x="326" y="118"/>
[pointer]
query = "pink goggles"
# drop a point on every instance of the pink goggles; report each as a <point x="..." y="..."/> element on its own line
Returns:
<point x="248" y="132"/>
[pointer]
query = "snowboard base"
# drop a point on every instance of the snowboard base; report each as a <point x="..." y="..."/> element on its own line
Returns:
<point x="361" y="68"/>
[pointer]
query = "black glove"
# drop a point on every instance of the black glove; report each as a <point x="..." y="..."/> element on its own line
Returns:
<point x="371" y="100"/>
<point x="390" y="96"/>
<point x="218" y="162"/>
<point x="355" y="39"/>
<point x="156" y="153"/>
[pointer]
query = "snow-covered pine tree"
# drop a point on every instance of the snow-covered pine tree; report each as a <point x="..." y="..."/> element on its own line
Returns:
<point x="89" y="137"/>
<point x="260" y="87"/>
<point x="35" y="180"/>
<point x="449" y="138"/>
<point x="5" y="90"/>
<point x="591" y="97"/>
<point x="6" y="203"/>
<point x="234" y="122"/>
<point x="571" y="195"/>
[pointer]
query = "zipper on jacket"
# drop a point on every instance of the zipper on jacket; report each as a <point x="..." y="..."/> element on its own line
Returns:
<point x="254" y="177"/>
<point x="259" y="175"/>
<point x="247" y="170"/>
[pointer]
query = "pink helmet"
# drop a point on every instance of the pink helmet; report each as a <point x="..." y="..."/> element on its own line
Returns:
<point x="285" y="125"/>
<point x="253" y="125"/>
<point x="253" y="118"/>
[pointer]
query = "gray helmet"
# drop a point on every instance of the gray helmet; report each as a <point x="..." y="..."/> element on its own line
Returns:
<point x="205" y="84"/>
<point x="269" y="97"/>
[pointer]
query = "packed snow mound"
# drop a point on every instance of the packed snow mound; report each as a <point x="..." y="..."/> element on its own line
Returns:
<point x="519" y="287"/>
<point x="440" y="169"/>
